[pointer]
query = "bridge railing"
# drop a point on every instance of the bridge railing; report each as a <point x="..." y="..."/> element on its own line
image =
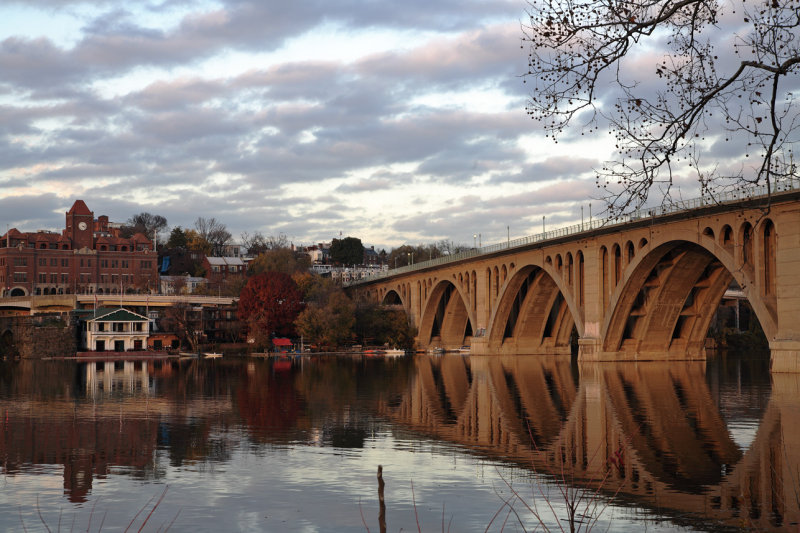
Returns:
<point x="737" y="195"/>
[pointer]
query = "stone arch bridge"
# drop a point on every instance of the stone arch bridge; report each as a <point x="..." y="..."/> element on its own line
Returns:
<point x="643" y="289"/>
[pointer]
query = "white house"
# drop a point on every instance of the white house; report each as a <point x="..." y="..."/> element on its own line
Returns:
<point x="117" y="330"/>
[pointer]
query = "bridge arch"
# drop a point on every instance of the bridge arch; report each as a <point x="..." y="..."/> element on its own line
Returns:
<point x="447" y="320"/>
<point x="18" y="291"/>
<point x="392" y="297"/>
<point x="669" y="292"/>
<point x="536" y="311"/>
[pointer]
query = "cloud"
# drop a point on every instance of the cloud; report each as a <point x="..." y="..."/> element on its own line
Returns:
<point x="186" y="110"/>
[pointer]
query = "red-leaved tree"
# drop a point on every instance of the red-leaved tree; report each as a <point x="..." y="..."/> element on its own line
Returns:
<point x="269" y="304"/>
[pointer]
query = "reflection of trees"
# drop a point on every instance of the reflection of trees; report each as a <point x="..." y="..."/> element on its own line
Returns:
<point x="270" y="405"/>
<point x="35" y="380"/>
<point x="86" y="447"/>
<point x="331" y="397"/>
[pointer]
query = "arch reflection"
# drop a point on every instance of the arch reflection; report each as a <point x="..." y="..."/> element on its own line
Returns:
<point x="652" y="431"/>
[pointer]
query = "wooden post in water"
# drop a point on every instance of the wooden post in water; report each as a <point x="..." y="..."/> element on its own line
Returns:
<point x="382" y="512"/>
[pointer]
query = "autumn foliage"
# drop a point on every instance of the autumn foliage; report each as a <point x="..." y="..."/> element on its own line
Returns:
<point x="270" y="303"/>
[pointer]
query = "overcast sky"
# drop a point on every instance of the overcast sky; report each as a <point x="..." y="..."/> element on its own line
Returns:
<point x="395" y="122"/>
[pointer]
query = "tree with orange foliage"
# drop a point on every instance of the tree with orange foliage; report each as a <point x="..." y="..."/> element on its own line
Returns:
<point x="269" y="305"/>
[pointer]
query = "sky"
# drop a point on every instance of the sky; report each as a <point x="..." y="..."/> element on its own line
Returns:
<point x="395" y="122"/>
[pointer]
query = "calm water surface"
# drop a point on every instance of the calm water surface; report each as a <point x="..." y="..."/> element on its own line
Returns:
<point x="294" y="445"/>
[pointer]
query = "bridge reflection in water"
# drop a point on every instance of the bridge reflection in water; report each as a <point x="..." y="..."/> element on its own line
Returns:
<point x="651" y="431"/>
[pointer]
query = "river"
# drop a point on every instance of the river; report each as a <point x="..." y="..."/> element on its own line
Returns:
<point x="466" y="443"/>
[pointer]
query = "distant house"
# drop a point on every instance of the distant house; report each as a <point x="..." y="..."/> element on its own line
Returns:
<point x="222" y="268"/>
<point x="282" y="345"/>
<point x="117" y="330"/>
<point x="318" y="253"/>
<point x="181" y="284"/>
<point x="371" y="257"/>
<point x="234" y="250"/>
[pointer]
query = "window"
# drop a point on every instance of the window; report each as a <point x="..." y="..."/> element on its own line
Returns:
<point x="20" y="261"/>
<point x="88" y="262"/>
<point x="65" y="262"/>
<point x="53" y="262"/>
<point x="42" y="261"/>
<point x="64" y="278"/>
<point x="20" y="277"/>
<point x="104" y="263"/>
<point x="53" y="278"/>
<point x="42" y="278"/>
<point x="114" y="263"/>
<point x="124" y="263"/>
<point x="101" y="326"/>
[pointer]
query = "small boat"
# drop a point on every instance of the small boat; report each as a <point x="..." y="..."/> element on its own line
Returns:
<point x="394" y="352"/>
<point x="211" y="355"/>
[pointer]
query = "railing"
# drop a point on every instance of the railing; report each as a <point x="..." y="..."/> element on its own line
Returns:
<point x="784" y="185"/>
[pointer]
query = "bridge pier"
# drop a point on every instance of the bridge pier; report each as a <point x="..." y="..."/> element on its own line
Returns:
<point x="785" y="356"/>
<point x="590" y="349"/>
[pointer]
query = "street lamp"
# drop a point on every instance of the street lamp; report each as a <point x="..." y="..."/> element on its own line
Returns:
<point x="474" y="240"/>
<point x="411" y="254"/>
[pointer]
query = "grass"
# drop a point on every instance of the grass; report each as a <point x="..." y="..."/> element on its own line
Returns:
<point x="132" y="525"/>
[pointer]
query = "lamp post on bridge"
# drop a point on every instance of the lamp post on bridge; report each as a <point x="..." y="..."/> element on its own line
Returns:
<point x="474" y="240"/>
<point x="411" y="255"/>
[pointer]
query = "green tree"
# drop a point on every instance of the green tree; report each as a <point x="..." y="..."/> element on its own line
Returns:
<point x="378" y="325"/>
<point x="315" y="289"/>
<point x="177" y="238"/>
<point x="329" y="325"/>
<point x="347" y="251"/>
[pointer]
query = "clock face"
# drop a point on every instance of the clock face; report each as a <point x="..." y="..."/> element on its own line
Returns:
<point x="81" y="226"/>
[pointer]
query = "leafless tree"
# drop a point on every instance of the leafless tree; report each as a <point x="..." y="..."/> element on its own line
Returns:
<point x="145" y="223"/>
<point x="672" y="81"/>
<point x="213" y="232"/>
<point x="257" y="244"/>
<point x="185" y="322"/>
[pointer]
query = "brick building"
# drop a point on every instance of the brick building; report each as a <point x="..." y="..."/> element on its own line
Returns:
<point x="88" y="256"/>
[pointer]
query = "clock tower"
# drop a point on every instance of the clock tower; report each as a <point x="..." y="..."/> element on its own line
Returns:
<point x="80" y="226"/>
